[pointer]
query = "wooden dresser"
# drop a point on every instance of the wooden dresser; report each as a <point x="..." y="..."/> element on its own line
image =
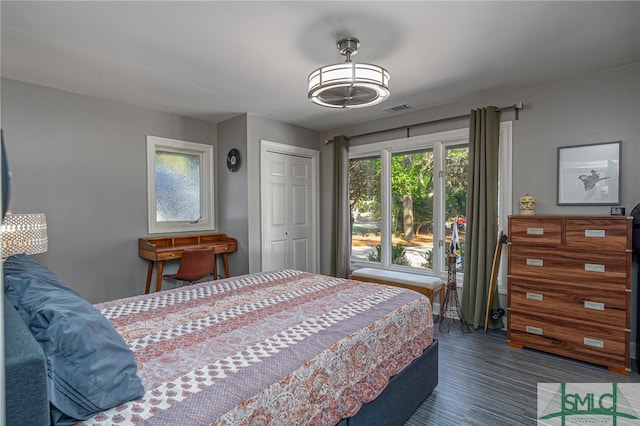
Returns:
<point x="569" y="287"/>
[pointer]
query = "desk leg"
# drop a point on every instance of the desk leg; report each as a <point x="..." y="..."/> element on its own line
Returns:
<point x="215" y="267"/>
<point x="149" y="273"/>
<point x="159" y="280"/>
<point x="225" y="260"/>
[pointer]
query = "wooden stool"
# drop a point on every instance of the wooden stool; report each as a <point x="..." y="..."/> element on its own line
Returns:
<point x="427" y="285"/>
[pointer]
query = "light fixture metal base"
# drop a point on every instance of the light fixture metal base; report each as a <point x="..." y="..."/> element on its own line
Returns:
<point x="348" y="47"/>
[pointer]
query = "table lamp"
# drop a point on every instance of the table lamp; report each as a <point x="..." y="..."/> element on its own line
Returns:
<point x="24" y="233"/>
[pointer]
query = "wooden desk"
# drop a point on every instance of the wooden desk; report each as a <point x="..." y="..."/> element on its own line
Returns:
<point x="159" y="249"/>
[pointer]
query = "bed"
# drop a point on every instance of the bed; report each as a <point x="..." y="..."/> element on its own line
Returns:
<point x="279" y="348"/>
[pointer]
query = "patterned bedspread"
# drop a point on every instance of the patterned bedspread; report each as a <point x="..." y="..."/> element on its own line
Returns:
<point x="283" y="348"/>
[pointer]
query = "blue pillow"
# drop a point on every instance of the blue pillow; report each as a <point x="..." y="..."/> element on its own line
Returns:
<point x="89" y="366"/>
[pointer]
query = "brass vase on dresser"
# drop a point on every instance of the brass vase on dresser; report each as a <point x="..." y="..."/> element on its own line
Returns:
<point x="569" y="287"/>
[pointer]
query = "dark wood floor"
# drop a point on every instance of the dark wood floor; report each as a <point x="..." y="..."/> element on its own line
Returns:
<point x="484" y="382"/>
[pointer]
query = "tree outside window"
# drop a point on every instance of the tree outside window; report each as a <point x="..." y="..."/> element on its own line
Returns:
<point x="427" y="199"/>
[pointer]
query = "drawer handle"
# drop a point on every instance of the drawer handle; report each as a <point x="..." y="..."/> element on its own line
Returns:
<point x="535" y="262"/>
<point x="594" y="233"/>
<point x="596" y="306"/>
<point x="593" y="267"/>
<point x="536" y="296"/>
<point x="534" y="330"/>
<point x="535" y="231"/>
<point x="594" y="342"/>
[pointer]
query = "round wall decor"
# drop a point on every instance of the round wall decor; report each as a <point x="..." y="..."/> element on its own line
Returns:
<point x="233" y="160"/>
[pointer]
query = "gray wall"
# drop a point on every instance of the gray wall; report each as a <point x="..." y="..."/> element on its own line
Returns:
<point x="239" y="192"/>
<point x="82" y="161"/>
<point x="593" y="107"/>
<point x="232" y="189"/>
<point x="259" y="128"/>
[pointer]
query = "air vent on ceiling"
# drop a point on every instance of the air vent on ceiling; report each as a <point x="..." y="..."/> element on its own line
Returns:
<point x="397" y="108"/>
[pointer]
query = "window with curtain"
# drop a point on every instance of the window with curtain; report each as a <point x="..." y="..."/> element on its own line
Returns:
<point x="365" y="207"/>
<point x="180" y="185"/>
<point x="408" y="200"/>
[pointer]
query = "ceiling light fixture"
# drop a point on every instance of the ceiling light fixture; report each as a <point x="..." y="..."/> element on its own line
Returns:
<point x="349" y="84"/>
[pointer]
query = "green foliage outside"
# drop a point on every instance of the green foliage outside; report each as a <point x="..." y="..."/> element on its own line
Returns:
<point x="398" y="255"/>
<point x="428" y="257"/>
<point x="365" y="229"/>
<point x="364" y="186"/>
<point x="456" y="182"/>
<point x="411" y="176"/>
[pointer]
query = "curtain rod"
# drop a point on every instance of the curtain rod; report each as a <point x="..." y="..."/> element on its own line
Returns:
<point x="517" y="107"/>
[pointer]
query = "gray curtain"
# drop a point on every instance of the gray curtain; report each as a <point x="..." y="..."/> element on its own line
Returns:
<point x="482" y="215"/>
<point x="341" y="232"/>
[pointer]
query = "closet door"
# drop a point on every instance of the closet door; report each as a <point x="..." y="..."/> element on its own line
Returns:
<point x="287" y="217"/>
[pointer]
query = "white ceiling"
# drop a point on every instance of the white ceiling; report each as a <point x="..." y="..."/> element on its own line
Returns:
<point x="212" y="60"/>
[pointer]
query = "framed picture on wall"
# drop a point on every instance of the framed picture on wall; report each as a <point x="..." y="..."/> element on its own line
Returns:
<point x="589" y="174"/>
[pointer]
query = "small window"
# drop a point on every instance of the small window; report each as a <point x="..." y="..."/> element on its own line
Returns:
<point x="180" y="185"/>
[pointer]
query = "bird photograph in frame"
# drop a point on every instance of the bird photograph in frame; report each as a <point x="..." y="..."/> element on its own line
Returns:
<point x="589" y="174"/>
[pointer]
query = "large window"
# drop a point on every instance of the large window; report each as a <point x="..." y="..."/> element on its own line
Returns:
<point x="408" y="200"/>
<point x="180" y="185"/>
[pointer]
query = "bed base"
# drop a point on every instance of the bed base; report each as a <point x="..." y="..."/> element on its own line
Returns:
<point x="403" y="395"/>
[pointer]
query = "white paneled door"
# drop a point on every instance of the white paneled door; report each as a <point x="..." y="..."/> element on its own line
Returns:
<point x="288" y="217"/>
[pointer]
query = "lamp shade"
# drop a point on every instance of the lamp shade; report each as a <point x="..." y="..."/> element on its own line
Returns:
<point x="24" y="233"/>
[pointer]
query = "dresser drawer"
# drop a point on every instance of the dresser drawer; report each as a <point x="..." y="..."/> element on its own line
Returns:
<point x="569" y="287"/>
<point x="531" y="230"/>
<point x="559" y="299"/>
<point x="588" y="342"/>
<point x="597" y="234"/>
<point x="605" y="270"/>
